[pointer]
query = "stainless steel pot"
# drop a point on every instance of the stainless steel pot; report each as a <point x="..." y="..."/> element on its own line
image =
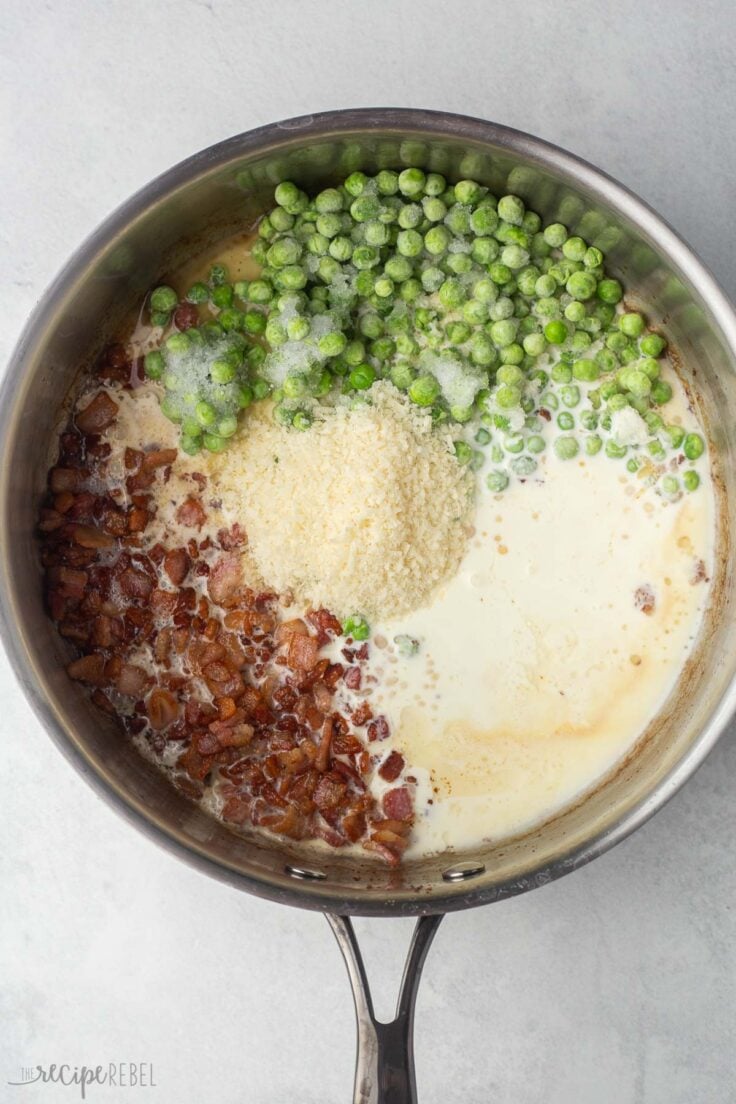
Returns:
<point x="203" y="199"/>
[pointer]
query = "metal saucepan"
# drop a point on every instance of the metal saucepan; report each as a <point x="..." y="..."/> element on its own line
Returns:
<point x="204" y="199"/>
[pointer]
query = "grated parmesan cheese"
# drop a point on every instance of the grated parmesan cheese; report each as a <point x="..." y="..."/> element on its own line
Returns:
<point x="366" y="512"/>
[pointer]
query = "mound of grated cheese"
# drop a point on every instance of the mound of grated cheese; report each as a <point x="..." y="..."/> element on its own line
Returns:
<point x="366" y="512"/>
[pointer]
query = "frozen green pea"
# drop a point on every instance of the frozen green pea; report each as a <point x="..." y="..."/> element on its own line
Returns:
<point x="693" y="446"/>
<point x="653" y="345"/>
<point x="615" y="450"/>
<point x="497" y="481"/>
<point x="424" y="390"/>
<point x="565" y="420"/>
<point x="691" y="480"/>
<point x="566" y="447"/>
<point x="593" y="444"/>
<point x="661" y="392"/>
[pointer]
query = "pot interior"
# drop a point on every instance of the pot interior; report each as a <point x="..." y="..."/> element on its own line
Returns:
<point x="210" y="197"/>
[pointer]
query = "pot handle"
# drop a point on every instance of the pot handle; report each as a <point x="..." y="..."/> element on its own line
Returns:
<point x="384" y="1067"/>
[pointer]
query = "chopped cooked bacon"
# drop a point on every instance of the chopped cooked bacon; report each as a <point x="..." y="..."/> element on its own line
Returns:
<point x="231" y="538"/>
<point x="176" y="564"/>
<point x="391" y="767"/>
<point x="98" y="414"/>
<point x="162" y="708"/>
<point x="89" y="668"/>
<point x="191" y="513"/>
<point x="302" y="653"/>
<point x="186" y="316"/>
<point x="353" y="678"/>
<point x="132" y="680"/>
<point x="247" y="698"/>
<point x="378" y="729"/>
<point x="644" y="599"/>
<point x="158" y="458"/>
<point x="225" y="580"/>
<point x="397" y="803"/>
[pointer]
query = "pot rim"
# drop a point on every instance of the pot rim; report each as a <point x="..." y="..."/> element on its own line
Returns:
<point x="283" y="135"/>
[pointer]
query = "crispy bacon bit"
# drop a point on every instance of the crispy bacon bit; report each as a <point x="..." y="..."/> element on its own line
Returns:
<point x="132" y="680"/>
<point x="543" y="413"/>
<point x="98" y="414"/>
<point x="225" y="581"/>
<point x="89" y="668"/>
<point x="231" y="538"/>
<point x="352" y="678"/>
<point x="191" y="513"/>
<point x="644" y="599"/>
<point x="323" y="751"/>
<point x="392" y="767"/>
<point x="136" y="584"/>
<point x="302" y="653"/>
<point x="176" y="565"/>
<point x="158" y="458"/>
<point x="88" y="537"/>
<point x="378" y="729"/>
<point x="362" y="714"/>
<point x="397" y="804"/>
<point x="186" y="316"/>
<point x="162" y="709"/>
<point x="67" y="479"/>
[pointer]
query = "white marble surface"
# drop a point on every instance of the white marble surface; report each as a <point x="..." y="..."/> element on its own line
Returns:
<point x="613" y="986"/>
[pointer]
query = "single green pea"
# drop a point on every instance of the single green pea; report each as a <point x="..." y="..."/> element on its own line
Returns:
<point x="610" y="291"/>
<point x="328" y="201"/>
<point x="482" y="436"/>
<point x="570" y="395"/>
<point x="355" y="183"/>
<point x="653" y="345"/>
<point x="301" y="420"/>
<point x="631" y="324"/>
<point x="178" y="342"/>
<point x="523" y="465"/>
<point x="332" y="344"/>
<point x="436" y="240"/>
<point x="401" y="376"/>
<point x="555" y="332"/>
<point x="410" y="216"/>
<point x="227" y="426"/>
<point x="260" y="291"/>
<point x="586" y="370"/>
<point x="581" y="285"/>
<point x="217" y="275"/>
<point x="574" y="249"/>
<point x="615" y="450"/>
<point x="222" y="371"/>
<point x="593" y="444"/>
<point x="589" y="420"/>
<point x="411" y="182"/>
<point x="499" y="273"/>
<point x="511" y="209"/>
<point x="341" y="248"/>
<point x="617" y="402"/>
<point x="566" y="447"/>
<point x="497" y="481"/>
<point x="163" y="299"/>
<point x="536" y="443"/>
<point x="424" y="390"/>
<point x="693" y="446"/>
<point x="508" y="396"/>
<point x="365" y="257"/>
<point x="463" y="452"/>
<point x="691" y="480"/>
<point x="198" y="293"/>
<point x="671" y="485"/>
<point x="555" y="235"/>
<point x="154" y="364"/>
<point x="661" y="392"/>
<point x="565" y="420"/>
<point x="561" y="372"/>
<point x="294" y="386"/>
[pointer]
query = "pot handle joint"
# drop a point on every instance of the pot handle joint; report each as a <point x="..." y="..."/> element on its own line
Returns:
<point x="384" y="1067"/>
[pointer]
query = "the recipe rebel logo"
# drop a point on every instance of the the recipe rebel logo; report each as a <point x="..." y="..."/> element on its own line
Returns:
<point x="116" y="1075"/>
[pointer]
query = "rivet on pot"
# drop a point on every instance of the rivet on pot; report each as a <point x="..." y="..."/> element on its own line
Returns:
<point x="305" y="875"/>
<point x="462" y="871"/>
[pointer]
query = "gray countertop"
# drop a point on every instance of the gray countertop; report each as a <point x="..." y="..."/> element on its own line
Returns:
<point x="613" y="986"/>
